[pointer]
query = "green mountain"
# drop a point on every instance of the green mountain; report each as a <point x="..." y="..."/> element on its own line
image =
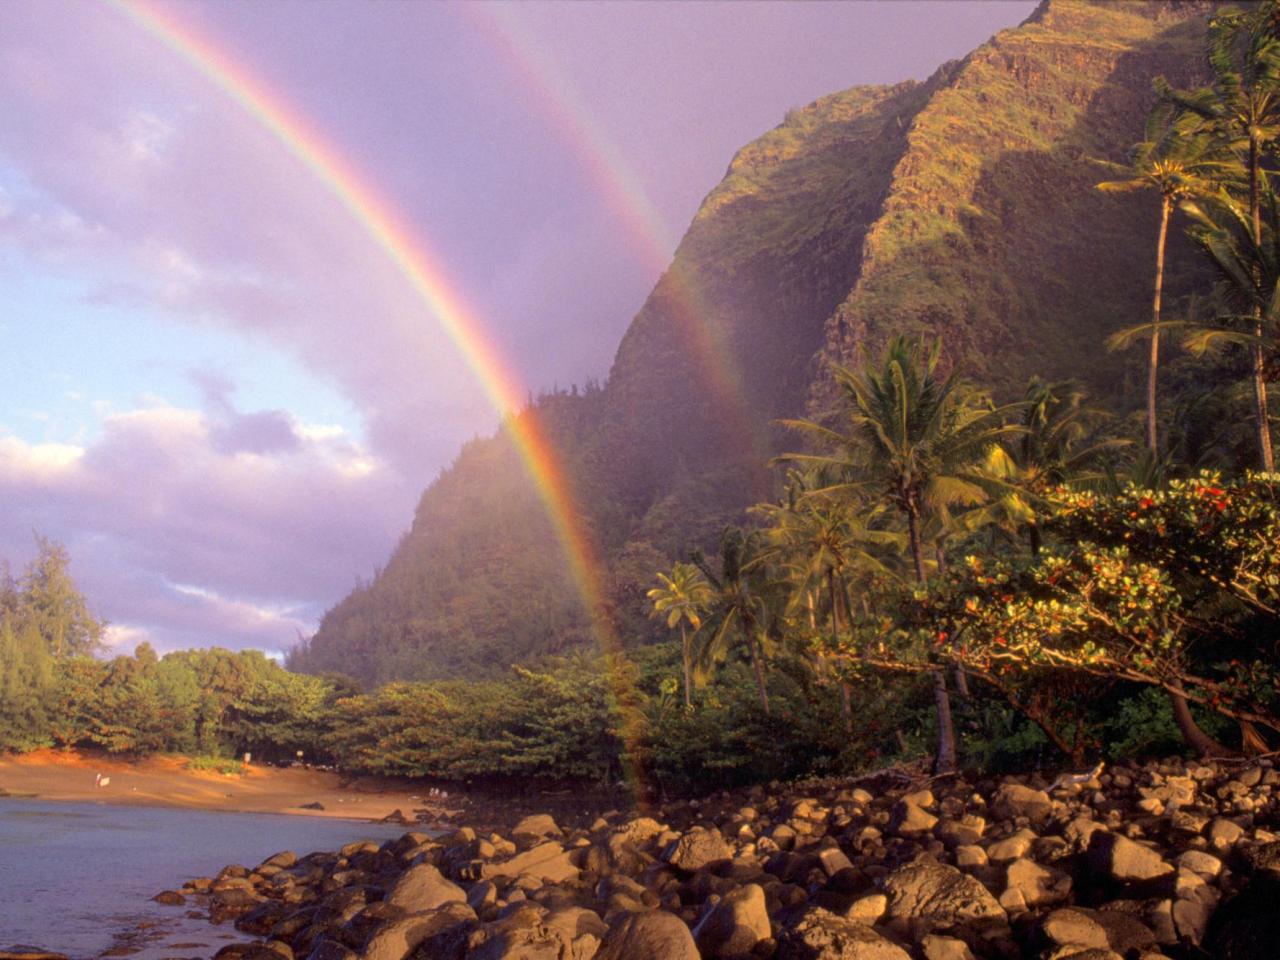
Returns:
<point x="962" y="206"/>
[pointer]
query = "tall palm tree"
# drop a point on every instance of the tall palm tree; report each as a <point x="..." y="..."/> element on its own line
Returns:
<point x="740" y="609"/>
<point x="1178" y="161"/>
<point x="683" y="597"/>
<point x="1241" y="107"/>
<point x="917" y="441"/>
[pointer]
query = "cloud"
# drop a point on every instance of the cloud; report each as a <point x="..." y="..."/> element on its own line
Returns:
<point x="181" y="538"/>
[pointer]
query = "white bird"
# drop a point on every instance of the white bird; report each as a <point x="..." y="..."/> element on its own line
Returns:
<point x="104" y="781"/>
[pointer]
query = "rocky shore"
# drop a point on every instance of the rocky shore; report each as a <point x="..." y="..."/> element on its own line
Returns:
<point x="1173" y="859"/>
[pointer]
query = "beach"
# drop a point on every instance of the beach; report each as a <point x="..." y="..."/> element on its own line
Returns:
<point x="165" y="781"/>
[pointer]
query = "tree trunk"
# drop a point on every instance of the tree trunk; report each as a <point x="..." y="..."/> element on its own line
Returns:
<point x="1199" y="741"/>
<point x="945" y="762"/>
<point x="846" y="701"/>
<point x="685" y="655"/>
<point x="962" y="683"/>
<point x="913" y="535"/>
<point x="1261" y="411"/>
<point x="1033" y="534"/>
<point x="757" y="663"/>
<point x="1154" y="363"/>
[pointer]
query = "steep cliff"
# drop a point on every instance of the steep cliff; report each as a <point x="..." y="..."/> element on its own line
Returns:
<point x="963" y="206"/>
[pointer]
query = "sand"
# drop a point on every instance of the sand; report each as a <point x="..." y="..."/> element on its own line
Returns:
<point x="164" y="781"/>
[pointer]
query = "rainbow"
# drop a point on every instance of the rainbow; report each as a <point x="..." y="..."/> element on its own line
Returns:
<point x="406" y="247"/>
<point x="560" y="104"/>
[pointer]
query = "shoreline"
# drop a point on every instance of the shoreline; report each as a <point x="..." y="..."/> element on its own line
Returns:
<point x="163" y="781"/>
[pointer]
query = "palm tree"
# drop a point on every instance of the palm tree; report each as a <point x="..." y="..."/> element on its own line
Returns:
<point x="916" y="441"/>
<point x="740" y="608"/>
<point x="1056" y="447"/>
<point x="1178" y="162"/>
<point x="683" y="597"/>
<point x="1241" y="107"/>
<point x="822" y="542"/>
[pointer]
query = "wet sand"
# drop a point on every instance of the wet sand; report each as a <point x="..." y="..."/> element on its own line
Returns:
<point x="164" y="781"/>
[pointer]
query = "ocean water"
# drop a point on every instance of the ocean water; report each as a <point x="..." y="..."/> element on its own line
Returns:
<point x="78" y="878"/>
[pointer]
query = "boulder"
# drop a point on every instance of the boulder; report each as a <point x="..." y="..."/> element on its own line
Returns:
<point x="934" y="947"/>
<point x="696" y="849"/>
<point x="423" y="887"/>
<point x="1123" y="860"/>
<point x="1028" y="885"/>
<point x="735" y="925"/>
<point x="440" y="934"/>
<point x="1014" y="800"/>
<point x="933" y="896"/>
<point x="648" y="936"/>
<point x="536" y="827"/>
<point x="549" y="862"/>
<point x="1104" y="930"/>
<point x="529" y="933"/>
<point x="821" y="935"/>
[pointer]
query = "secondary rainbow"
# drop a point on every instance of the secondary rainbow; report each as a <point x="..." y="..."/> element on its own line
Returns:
<point x="426" y="274"/>
<point x="560" y="104"/>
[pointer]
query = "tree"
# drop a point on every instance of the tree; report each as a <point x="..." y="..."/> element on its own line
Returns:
<point x="740" y="610"/>
<point x="1178" y="162"/>
<point x="50" y="599"/>
<point x="683" y="597"/>
<point x="918" y="441"/>
<point x="1241" y="108"/>
<point x="822" y="542"/>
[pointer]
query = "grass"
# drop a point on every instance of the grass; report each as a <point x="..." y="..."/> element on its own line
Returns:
<point x="222" y="765"/>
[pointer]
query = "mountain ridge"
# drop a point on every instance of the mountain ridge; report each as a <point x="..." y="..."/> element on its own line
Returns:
<point x="960" y="206"/>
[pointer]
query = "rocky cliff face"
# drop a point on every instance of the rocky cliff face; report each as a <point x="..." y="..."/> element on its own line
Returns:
<point x="963" y="207"/>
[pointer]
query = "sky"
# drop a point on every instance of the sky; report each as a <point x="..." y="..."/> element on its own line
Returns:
<point x="217" y="389"/>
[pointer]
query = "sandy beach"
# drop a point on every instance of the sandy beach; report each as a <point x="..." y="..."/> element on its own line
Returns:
<point x="165" y="781"/>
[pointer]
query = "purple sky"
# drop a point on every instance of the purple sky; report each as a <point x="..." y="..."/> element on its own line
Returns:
<point x="215" y="390"/>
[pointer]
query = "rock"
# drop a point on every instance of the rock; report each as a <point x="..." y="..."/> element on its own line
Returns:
<point x="1199" y="862"/>
<point x="1191" y="919"/>
<point x="648" y="936"/>
<point x="1121" y="859"/>
<point x="423" y="887"/>
<point x="965" y="831"/>
<point x="909" y="818"/>
<point x="284" y="860"/>
<point x="696" y="849"/>
<point x="440" y="934"/>
<point x="528" y="933"/>
<point x="1027" y="884"/>
<point x="971" y="857"/>
<point x="833" y="860"/>
<point x="1081" y="927"/>
<point x="933" y="896"/>
<point x="1263" y="856"/>
<point x="317" y="805"/>
<point x="327" y="949"/>
<point x="867" y="909"/>
<point x="535" y="828"/>
<point x="548" y="862"/>
<point x="821" y="935"/>
<point x="1014" y="800"/>
<point x="1223" y="834"/>
<point x="170" y="898"/>
<point x="1247" y="925"/>
<point x="1011" y="848"/>
<point x="945" y="948"/>
<point x="735" y="925"/>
